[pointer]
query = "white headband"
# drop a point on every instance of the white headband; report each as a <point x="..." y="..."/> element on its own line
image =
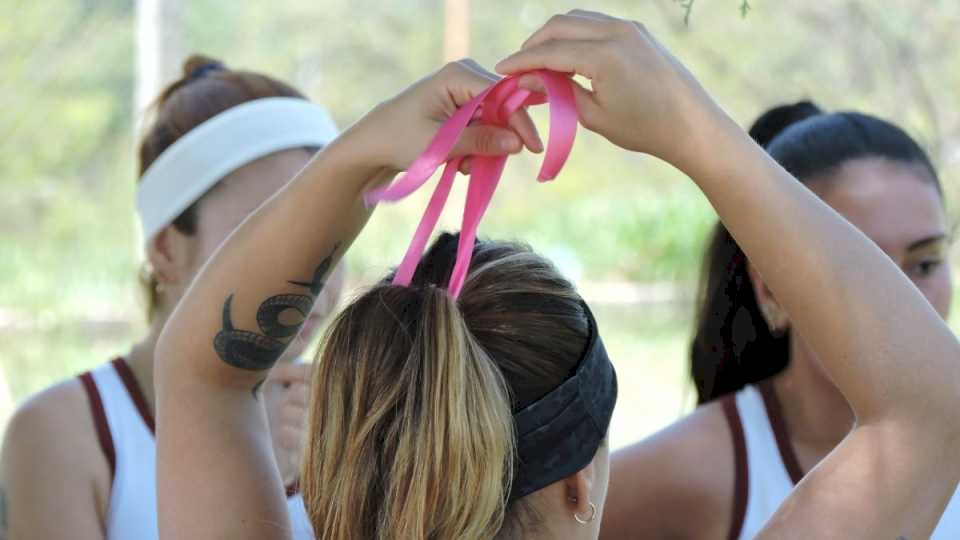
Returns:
<point x="198" y="160"/>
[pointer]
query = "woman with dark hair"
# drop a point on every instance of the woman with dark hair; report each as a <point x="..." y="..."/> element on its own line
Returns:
<point x="481" y="411"/>
<point x="768" y="406"/>
<point x="79" y="458"/>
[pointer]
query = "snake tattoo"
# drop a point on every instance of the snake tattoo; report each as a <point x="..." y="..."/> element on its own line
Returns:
<point x="258" y="351"/>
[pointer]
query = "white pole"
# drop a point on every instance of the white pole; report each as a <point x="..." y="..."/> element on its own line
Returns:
<point x="456" y="36"/>
<point x="148" y="58"/>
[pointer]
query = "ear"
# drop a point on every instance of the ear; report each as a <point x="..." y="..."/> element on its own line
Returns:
<point x="579" y="490"/>
<point x="760" y="289"/>
<point x="170" y="254"/>
<point x="776" y="318"/>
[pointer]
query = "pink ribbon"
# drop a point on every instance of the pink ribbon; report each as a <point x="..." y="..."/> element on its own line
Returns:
<point x="493" y="107"/>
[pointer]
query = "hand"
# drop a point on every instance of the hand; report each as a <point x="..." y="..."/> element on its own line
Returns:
<point x="642" y="98"/>
<point x="285" y="398"/>
<point x="399" y="129"/>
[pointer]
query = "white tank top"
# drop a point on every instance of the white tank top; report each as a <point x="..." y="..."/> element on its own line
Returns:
<point x="125" y="432"/>
<point x="767" y="468"/>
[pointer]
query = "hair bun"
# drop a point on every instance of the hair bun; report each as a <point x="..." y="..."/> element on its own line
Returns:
<point x="774" y="121"/>
<point x="198" y="65"/>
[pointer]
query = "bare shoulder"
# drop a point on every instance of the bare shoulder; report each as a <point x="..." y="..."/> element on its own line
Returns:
<point x="59" y="414"/>
<point x="677" y="483"/>
<point x="52" y="462"/>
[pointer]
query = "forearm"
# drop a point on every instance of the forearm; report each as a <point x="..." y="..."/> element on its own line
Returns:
<point x="236" y="319"/>
<point x="881" y="342"/>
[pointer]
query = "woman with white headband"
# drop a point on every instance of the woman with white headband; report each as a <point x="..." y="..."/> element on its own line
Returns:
<point x="79" y="458"/>
<point x="453" y="399"/>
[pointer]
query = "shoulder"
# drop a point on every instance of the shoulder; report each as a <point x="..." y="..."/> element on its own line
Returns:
<point x="53" y="470"/>
<point x="677" y="483"/>
<point x="52" y="436"/>
<point x="55" y="413"/>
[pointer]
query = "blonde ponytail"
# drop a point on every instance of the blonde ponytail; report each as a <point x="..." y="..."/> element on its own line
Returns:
<point x="411" y="431"/>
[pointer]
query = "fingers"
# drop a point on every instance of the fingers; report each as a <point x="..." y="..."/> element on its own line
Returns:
<point x="520" y="121"/>
<point x="290" y="422"/>
<point x="522" y="124"/>
<point x="487" y="141"/>
<point x="569" y="26"/>
<point x="567" y="56"/>
<point x="465" y="79"/>
<point x="289" y="373"/>
<point x="587" y="108"/>
<point x="530" y="81"/>
<point x="297" y="395"/>
<point x="472" y="65"/>
<point x="592" y="15"/>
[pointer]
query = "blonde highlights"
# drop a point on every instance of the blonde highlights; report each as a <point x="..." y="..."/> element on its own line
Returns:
<point x="411" y="429"/>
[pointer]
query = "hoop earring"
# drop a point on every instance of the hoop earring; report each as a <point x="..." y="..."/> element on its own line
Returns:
<point x="593" y="515"/>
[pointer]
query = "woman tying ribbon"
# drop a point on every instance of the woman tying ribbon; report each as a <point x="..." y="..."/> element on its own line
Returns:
<point x="451" y="409"/>
<point x="79" y="458"/>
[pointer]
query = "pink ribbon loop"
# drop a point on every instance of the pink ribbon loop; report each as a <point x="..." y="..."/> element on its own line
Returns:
<point x="495" y="105"/>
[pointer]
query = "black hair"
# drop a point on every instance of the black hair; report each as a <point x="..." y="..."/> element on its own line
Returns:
<point x="733" y="346"/>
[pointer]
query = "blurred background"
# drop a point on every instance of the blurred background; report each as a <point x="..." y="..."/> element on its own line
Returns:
<point x="78" y="74"/>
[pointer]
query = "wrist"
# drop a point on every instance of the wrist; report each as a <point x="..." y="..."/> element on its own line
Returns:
<point x="357" y="157"/>
<point x="713" y="145"/>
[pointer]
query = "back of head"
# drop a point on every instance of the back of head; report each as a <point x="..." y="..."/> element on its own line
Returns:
<point x="411" y="429"/>
<point x="206" y="89"/>
<point x="733" y="346"/>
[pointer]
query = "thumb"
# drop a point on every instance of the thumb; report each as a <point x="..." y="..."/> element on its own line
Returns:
<point x="486" y="141"/>
<point x="588" y="110"/>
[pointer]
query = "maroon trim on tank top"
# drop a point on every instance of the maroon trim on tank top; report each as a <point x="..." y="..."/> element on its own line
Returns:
<point x="140" y="402"/>
<point x="135" y="392"/>
<point x="100" y="421"/>
<point x="780" y="432"/>
<point x="293" y="489"/>
<point x="741" y="486"/>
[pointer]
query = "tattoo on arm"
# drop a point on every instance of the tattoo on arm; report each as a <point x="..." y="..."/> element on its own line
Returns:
<point x="258" y="351"/>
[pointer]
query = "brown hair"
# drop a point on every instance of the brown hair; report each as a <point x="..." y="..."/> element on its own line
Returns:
<point x="411" y="421"/>
<point x="206" y="88"/>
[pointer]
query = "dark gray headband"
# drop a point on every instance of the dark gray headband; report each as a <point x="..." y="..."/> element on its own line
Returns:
<point x="560" y="433"/>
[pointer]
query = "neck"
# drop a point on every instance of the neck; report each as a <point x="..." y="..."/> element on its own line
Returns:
<point x="140" y="360"/>
<point x="817" y="415"/>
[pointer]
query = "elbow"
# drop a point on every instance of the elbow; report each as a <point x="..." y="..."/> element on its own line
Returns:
<point x="939" y="403"/>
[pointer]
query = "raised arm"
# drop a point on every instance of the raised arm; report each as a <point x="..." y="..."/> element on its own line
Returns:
<point x="216" y="474"/>
<point x="880" y="341"/>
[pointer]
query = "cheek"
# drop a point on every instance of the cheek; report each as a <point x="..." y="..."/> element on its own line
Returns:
<point x="939" y="291"/>
<point x="213" y="229"/>
<point x="206" y="247"/>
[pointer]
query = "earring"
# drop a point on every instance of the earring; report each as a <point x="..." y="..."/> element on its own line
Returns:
<point x="584" y="521"/>
<point x="775" y="318"/>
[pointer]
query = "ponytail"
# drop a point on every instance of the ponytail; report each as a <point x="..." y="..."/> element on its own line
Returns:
<point x="415" y="437"/>
<point x="733" y="346"/>
<point x="411" y="430"/>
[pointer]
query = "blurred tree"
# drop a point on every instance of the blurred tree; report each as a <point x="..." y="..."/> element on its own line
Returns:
<point x="68" y="242"/>
<point x="456" y="32"/>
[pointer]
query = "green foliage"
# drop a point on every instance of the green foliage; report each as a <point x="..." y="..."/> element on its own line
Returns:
<point x="687" y="6"/>
<point x="68" y="242"/>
